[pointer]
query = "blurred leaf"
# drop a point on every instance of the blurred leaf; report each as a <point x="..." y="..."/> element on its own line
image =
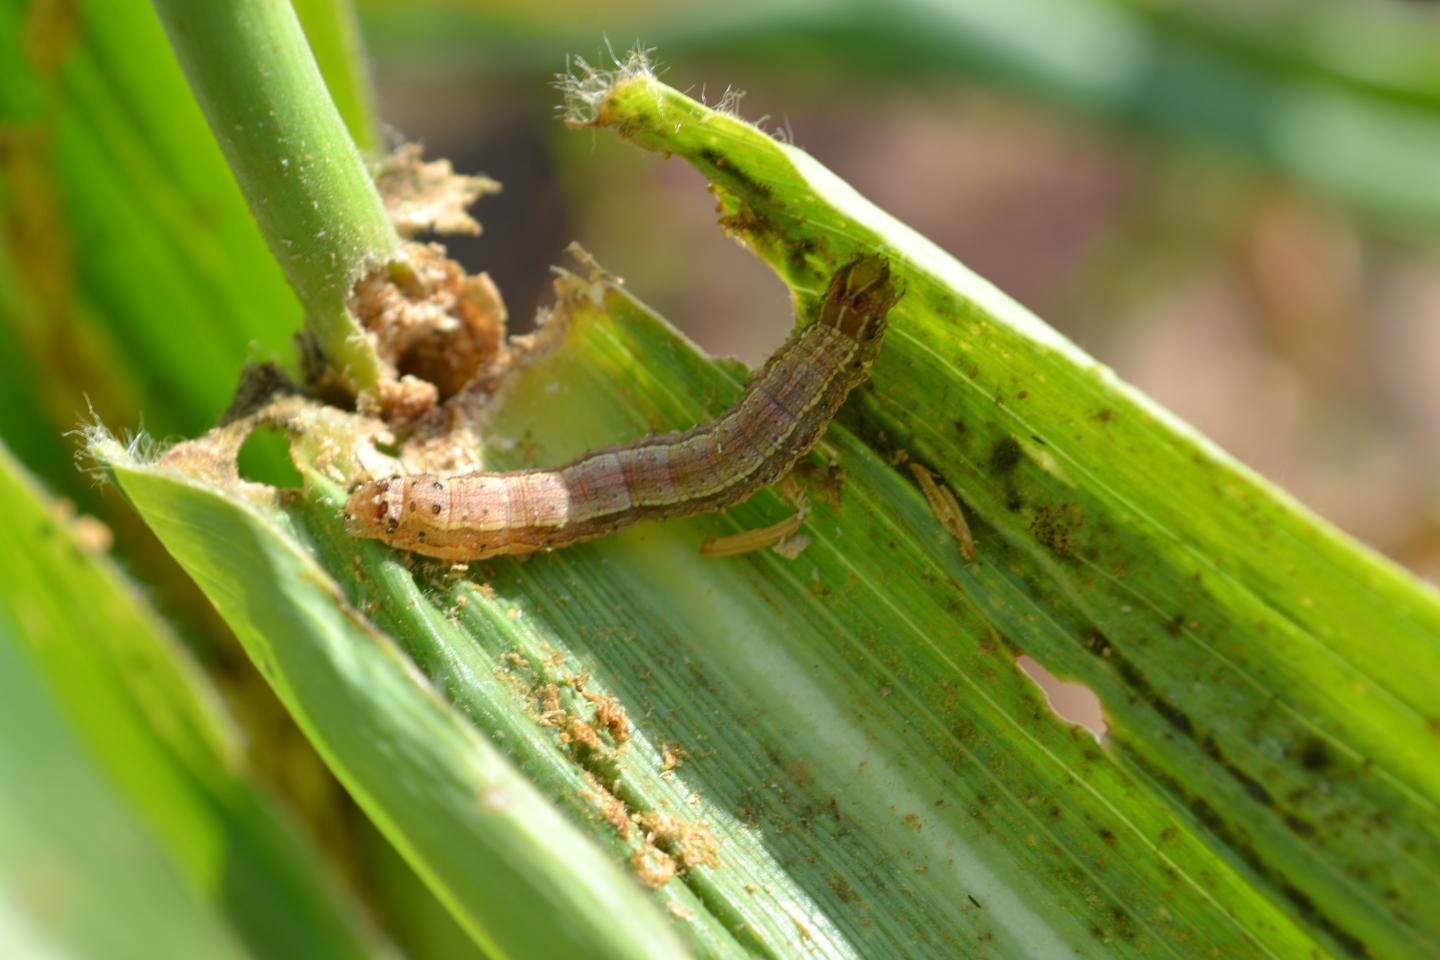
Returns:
<point x="418" y="921"/>
<point x="132" y="276"/>
<point x="133" y="281"/>
<point x="79" y="876"/>
<point x="1342" y="96"/>
<point x="147" y="279"/>
<point x="152" y="723"/>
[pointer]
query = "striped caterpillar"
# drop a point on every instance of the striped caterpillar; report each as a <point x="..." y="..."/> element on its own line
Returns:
<point x="784" y="410"/>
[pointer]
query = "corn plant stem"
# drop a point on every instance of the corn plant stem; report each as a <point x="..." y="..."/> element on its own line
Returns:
<point x="254" y="77"/>
<point x="334" y="37"/>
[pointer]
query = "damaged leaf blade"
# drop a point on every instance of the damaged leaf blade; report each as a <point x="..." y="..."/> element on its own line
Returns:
<point x="1230" y="635"/>
<point x="838" y="753"/>
<point x="835" y="753"/>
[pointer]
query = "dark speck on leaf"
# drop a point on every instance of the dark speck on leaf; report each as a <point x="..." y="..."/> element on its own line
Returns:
<point x="1006" y="456"/>
<point x="1313" y="754"/>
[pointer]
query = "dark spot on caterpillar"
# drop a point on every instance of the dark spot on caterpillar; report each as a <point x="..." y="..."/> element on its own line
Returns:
<point x="412" y="506"/>
<point x="438" y="485"/>
<point x="435" y="509"/>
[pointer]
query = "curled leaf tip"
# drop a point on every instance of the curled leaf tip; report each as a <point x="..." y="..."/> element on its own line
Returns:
<point x="585" y="87"/>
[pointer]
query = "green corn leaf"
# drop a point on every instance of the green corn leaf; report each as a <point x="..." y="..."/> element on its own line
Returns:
<point x="838" y="753"/>
<point x="159" y="755"/>
<point x="513" y="871"/>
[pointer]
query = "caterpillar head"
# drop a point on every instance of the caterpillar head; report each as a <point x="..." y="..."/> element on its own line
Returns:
<point x="376" y="507"/>
<point x="859" y="298"/>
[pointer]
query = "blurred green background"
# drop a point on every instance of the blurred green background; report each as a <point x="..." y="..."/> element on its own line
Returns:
<point x="1236" y="206"/>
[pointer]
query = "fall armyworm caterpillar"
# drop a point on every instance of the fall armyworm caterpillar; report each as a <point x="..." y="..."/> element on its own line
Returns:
<point x="784" y="410"/>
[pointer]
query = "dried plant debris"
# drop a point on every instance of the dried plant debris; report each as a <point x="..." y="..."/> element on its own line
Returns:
<point x="612" y="809"/>
<point x="610" y="715"/>
<point x="424" y="432"/>
<point x="652" y="866"/>
<point x="435" y="329"/>
<point x="690" y="844"/>
<point x="670" y="845"/>
<point x="431" y="197"/>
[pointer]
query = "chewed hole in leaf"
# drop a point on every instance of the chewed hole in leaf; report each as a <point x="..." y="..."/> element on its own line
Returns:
<point x="1072" y="702"/>
<point x="264" y="457"/>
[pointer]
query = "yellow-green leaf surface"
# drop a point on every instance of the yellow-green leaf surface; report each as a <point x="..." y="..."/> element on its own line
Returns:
<point x="150" y="723"/>
<point x="836" y="755"/>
